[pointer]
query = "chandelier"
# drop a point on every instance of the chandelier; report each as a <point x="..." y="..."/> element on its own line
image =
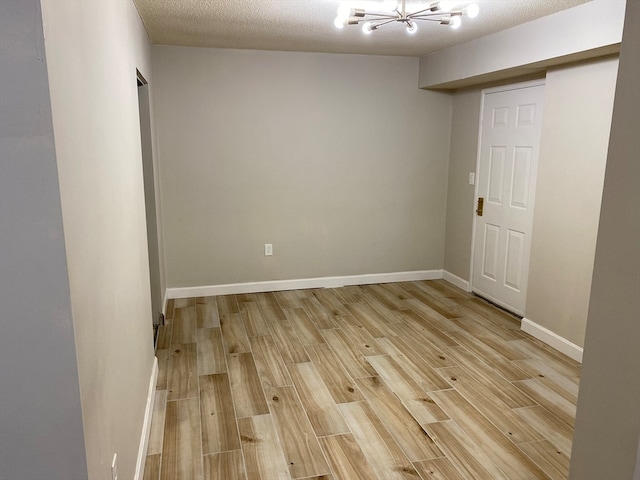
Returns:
<point x="442" y="12"/>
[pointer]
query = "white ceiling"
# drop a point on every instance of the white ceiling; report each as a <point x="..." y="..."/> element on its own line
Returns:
<point x="307" y="25"/>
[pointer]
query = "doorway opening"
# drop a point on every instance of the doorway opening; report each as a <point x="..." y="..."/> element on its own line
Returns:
<point x="150" y="203"/>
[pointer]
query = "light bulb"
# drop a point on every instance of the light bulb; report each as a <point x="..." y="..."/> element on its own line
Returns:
<point x="472" y="10"/>
<point x="340" y="22"/>
<point x="367" y="28"/>
<point x="455" y="22"/>
<point x="412" y="28"/>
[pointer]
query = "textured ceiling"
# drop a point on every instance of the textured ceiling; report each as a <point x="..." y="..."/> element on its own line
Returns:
<point x="307" y="25"/>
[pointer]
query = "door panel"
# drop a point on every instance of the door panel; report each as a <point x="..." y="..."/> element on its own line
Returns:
<point x="514" y="262"/>
<point x="526" y="115"/>
<point x="496" y="175"/>
<point x="500" y="117"/>
<point x="491" y="249"/>
<point x="521" y="177"/>
<point x="506" y="175"/>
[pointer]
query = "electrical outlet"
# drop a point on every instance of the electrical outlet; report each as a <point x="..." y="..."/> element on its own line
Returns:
<point x="114" y="467"/>
<point x="472" y="178"/>
<point x="268" y="249"/>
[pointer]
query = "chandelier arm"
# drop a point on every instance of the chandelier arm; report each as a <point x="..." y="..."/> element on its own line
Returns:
<point x="427" y="15"/>
<point x="381" y="15"/>
<point x="429" y="19"/>
<point x="378" y="25"/>
<point x="436" y="12"/>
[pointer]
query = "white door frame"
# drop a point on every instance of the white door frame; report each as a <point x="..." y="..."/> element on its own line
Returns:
<point x="484" y="93"/>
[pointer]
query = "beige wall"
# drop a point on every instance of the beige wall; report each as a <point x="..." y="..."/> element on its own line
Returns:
<point x="578" y="103"/>
<point x="460" y="195"/>
<point x="607" y="420"/>
<point x="573" y="154"/>
<point x="586" y="31"/>
<point x="339" y="161"/>
<point x="93" y="50"/>
<point x="575" y="131"/>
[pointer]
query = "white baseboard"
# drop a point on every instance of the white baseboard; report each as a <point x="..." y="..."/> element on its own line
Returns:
<point x="552" y="339"/>
<point x="297" y="284"/>
<point x="146" y="426"/>
<point x="457" y="281"/>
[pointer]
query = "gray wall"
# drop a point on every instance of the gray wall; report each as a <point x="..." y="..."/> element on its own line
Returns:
<point x="93" y="50"/>
<point x="41" y="432"/>
<point x="608" y="420"/>
<point x="339" y="161"/>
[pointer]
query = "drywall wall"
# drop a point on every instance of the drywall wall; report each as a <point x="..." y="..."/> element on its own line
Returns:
<point x="573" y="152"/>
<point x="41" y="433"/>
<point x="574" y="140"/>
<point x="575" y="132"/>
<point x="607" y="422"/>
<point x="93" y="50"/>
<point x="460" y="194"/>
<point x="578" y="102"/>
<point x="586" y="31"/>
<point x="339" y="161"/>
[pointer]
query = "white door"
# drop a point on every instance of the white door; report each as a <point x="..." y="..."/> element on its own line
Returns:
<point x="506" y="178"/>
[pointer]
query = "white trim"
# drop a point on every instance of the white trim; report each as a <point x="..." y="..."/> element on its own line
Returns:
<point x="514" y="86"/>
<point x="457" y="281"/>
<point x="476" y="186"/>
<point x="164" y="303"/>
<point x="146" y="426"/>
<point x="552" y="339"/>
<point x="297" y="284"/>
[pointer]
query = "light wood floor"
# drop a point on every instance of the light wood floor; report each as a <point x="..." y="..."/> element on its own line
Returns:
<point x="415" y="380"/>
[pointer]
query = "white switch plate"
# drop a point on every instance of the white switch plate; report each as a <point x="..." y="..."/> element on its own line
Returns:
<point x="268" y="249"/>
<point x="472" y="178"/>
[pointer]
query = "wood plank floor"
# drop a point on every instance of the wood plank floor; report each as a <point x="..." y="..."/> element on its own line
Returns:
<point x="414" y="380"/>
